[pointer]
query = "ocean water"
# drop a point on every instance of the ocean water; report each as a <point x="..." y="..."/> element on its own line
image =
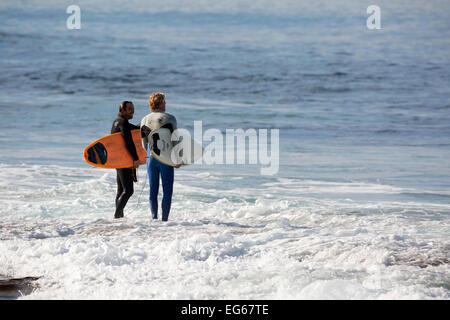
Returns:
<point x="358" y="209"/>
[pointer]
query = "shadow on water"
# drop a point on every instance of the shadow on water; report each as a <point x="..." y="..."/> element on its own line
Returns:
<point x="231" y="224"/>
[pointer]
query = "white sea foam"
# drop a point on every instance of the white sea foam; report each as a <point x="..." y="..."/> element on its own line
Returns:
<point x="228" y="246"/>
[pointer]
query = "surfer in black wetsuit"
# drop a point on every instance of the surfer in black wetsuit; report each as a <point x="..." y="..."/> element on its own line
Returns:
<point x="126" y="176"/>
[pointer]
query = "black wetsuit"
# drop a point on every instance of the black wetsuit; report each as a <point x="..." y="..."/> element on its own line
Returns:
<point x="126" y="176"/>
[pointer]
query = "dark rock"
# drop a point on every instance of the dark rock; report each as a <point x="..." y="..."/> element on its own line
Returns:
<point x="12" y="288"/>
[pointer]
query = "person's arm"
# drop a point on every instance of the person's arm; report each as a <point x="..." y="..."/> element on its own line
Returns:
<point x="133" y="127"/>
<point x="126" y="134"/>
<point x="138" y="162"/>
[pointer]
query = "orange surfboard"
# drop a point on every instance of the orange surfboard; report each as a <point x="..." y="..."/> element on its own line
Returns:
<point x="111" y="152"/>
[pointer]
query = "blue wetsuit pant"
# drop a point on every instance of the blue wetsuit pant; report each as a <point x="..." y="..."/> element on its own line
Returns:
<point x="155" y="169"/>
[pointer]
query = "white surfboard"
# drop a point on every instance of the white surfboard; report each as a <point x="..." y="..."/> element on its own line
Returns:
<point x="173" y="149"/>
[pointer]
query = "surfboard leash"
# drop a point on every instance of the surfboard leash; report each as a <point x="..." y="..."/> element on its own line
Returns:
<point x="143" y="187"/>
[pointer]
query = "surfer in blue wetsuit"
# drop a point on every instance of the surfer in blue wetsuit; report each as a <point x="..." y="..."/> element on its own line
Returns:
<point x="158" y="118"/>
<point x="125" y="176"/>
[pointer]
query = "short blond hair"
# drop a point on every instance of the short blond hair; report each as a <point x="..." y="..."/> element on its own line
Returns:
<point x="155" y="100"/>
